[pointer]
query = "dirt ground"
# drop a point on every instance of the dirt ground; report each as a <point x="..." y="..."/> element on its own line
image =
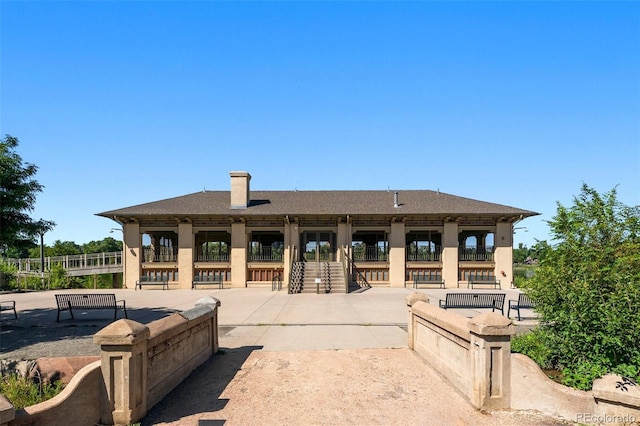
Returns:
<point x="323" y="387"/>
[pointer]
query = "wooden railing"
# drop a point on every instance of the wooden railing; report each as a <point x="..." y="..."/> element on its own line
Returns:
<point x="94" y="263"/>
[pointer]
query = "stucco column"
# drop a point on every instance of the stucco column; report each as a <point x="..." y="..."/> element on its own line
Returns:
<point x="131" y="255"/>
<point x="396" y="255"/>
<point x="450" y="254"/>
<point x="123" y="352"/>
<point x="238" y="255"/>
<point x="490" y="362"/>
<point x="503" y="254"/>
<point x="185" y="255"/>
<point x="344" y="236"/>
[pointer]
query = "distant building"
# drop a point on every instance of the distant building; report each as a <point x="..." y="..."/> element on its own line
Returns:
<point x="317" y="240"/>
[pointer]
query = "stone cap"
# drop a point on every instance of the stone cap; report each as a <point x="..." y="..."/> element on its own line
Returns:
<point x="208" y="300"/>
<point x="415" y="297"/>
<point x="122" y="332"/>
<point x="491" y="324"/>
<point x="617" y="389"/>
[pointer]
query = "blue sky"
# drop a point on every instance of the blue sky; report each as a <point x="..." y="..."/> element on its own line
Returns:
<point x="121" y="103"/>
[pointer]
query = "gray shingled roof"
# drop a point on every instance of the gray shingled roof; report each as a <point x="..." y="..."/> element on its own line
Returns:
<point x="266" y="203"/>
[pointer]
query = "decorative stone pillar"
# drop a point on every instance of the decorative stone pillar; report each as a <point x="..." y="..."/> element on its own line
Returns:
<point x="214" y="304"/>
<point x="123" y="350"/>
<point x="411" y="300"/>
<point x="490" y="361"/>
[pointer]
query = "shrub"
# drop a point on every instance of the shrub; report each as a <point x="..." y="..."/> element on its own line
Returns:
<point x="535" y="345"/>
<point x="23" y="392"/>
<point x="587" y="289"/>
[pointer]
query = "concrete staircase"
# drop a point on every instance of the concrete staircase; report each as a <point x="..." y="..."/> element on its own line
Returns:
<point x="331" y="274"/>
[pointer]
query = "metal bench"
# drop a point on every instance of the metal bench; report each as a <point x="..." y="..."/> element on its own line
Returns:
<point x="215" y="279"/>
<point x="150" y="280"/>
<point x="474" y="301"/>
<point x="9" y="305"/>
<point x="523" y="302"/>
<point x="427" y="280"/>
<point x="69" y="302"/>
<point x="491" y="281"/>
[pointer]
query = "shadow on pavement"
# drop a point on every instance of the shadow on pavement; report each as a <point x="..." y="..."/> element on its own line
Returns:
<point x="36" y="329"/>
<point x="202" y="389"/>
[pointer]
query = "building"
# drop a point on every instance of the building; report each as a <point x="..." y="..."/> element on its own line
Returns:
<point x="325" y="241"/>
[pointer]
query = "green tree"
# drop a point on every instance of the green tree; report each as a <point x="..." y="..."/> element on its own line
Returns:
<point x="18" y="190"/>
<point x="520" y="254"/>
<point x="106" y="245"/>
<point x="587" y="289"/>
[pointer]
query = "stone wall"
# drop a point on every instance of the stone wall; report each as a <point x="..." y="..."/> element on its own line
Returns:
<point x="139" y="366"/>
<point x="474" y="356"/>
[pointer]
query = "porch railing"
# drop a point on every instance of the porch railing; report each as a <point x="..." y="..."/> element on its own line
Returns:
<point x="266" y="254"/>
<point x="204" y="255"/>
<point x="160" y="254"/>
<point x="475" y="254"/>
<point x="369" y="254"/>
<point x="423" y="254"/>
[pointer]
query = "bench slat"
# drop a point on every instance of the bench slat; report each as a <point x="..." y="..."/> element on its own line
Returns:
<point x="207" y="280"/>
<point x="148" y="280"/>
<point x="474" y="300"/>
<point x="523" y="302"/>
<point x="69" y="302"/>
<point x="9" y="305"/>
<point x="427" y="280"/>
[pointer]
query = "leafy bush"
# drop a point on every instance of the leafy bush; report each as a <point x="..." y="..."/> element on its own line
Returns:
<point x="7" y="276"/>
<point x="587" y="289"/>
<point x="23" y="392"/>
<point x="535" y="346"/>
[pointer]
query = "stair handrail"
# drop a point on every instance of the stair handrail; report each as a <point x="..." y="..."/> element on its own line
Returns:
<point x="345" y="268"/>
<point x="327" y="277"/>
<point x="292" y="262"/>
<point x="360" y="279"/>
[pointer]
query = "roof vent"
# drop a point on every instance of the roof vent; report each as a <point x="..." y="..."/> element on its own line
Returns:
<point x="395" y="199"/>
<point x="240" y="193"/>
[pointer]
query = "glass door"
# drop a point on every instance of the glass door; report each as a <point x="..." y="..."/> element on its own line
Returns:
<point x="318" y="246"/>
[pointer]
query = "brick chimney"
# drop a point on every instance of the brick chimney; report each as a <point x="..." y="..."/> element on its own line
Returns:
<point x="240" y="193"/>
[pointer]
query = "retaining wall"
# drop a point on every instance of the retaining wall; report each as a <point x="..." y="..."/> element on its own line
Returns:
<point x="139" y="366"/>
<point x="474" y="356"/>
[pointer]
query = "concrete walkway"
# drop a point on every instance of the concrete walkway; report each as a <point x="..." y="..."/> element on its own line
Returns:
<point x="285" y="359"/>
